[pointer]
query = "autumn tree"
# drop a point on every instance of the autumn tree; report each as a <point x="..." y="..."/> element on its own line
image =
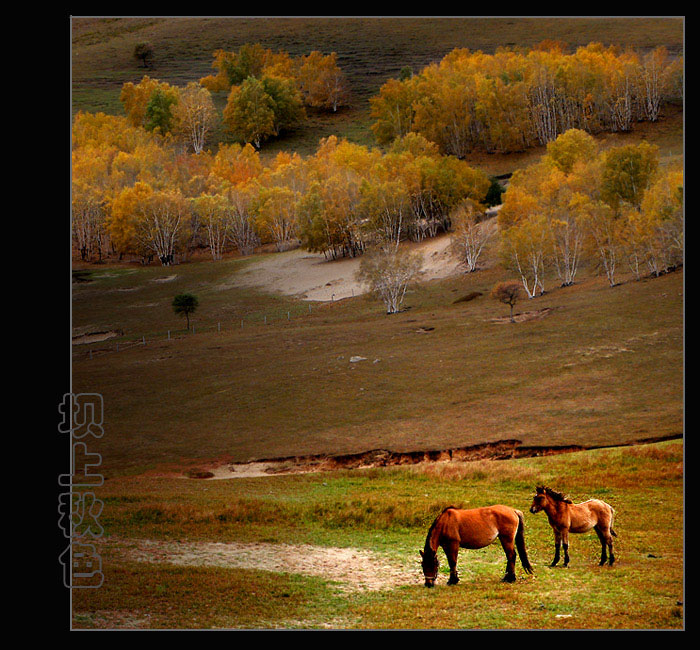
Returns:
<point x="195" y="115"/>
<point x="570" y="148"/>
<point x="212" y="210"/>
<point x="88" y="221"/>
<point x="393" y="110"/>
<point x="655" y="230"/>
<point x="136" y="97"/>
<point x="240" y="218"/>
<point x="123" y="218"/>
<point x="509" y="293"/>
<point x="470" y="234"/>
<point x="627" y="173"/>
<point x="275" y="209"/>
<point x="287" y="106"/>
<point x="162" y="225"/>
<point x="322" y="82"/>
<point x="261" y="108"/>
<point x="388" y="273"/>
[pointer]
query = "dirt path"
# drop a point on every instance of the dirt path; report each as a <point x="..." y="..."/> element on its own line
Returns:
<point x="351" y="568"/>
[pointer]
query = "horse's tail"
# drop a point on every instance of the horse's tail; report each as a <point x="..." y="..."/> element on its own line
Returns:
<point x="612" y="514"/>
<point x="520" y="543"/>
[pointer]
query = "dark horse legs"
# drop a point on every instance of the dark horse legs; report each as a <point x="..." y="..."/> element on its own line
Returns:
<point x="557" y="544"/>
<point x="606" y="543"/>
<point x="561" y="540"/>
<point x="451" y="551"/>
<point x="509" y="550"/>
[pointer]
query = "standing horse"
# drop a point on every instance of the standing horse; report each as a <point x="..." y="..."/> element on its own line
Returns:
<point x="566" y="517"/>
<point x="477" y="528"/>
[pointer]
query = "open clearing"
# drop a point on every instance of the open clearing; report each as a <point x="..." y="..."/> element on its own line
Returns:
<point x="312" y="277"/>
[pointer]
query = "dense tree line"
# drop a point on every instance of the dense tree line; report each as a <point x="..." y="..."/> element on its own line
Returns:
<point x="515" y="98"/>
<point x="137" y="192"/>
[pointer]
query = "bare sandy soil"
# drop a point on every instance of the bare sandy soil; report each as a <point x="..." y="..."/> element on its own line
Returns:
<point x="312" y="277"/>
<point x="352" y="569"/>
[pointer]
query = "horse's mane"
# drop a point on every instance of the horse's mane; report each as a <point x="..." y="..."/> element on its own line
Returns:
<point x="557" y="496"/>
<point x="432" y="526"/>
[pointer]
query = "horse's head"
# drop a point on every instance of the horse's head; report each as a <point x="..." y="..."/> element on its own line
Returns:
<point x="538" y="500"/>
<point x="430" y="566"/>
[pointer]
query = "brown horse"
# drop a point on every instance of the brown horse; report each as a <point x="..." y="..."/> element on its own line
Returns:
<point x="454" y="528"/>
<point x="567" y="517"/>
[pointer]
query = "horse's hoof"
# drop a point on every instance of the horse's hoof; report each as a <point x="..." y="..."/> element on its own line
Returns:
<point x="508" y="578"/>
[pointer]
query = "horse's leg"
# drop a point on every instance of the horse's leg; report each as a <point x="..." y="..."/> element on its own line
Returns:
<point x="603" y="543"/>
<point x="451" y="551"/>
<point x="557" y="543"/>
<point x="565" y="544"/>
<point x="509" y="550"/>
<point x="609" y="542"/>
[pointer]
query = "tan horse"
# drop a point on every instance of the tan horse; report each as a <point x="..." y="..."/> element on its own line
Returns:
<point x="566" y="517"/>
<point x="454" y="528"/>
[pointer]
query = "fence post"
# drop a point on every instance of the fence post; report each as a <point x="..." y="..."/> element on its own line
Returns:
<point x="265" y="319"/>
<point x="144" y="339"/>
<point x="287" y="315"/>
<point x="168" y="335"/>
<point x="219" y="327"/>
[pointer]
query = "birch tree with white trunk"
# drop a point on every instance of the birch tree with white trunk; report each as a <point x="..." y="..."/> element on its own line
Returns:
<point x="161" y="226"/>
<point x="196" y="115"/>
<point x="471" y="234"/>
<point x="388" y="273"/>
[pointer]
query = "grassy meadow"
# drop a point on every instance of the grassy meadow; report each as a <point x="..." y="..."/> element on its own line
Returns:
<point x="602" y="366"/>
<point x="387" y="512"/>
<point x="266" y="375"/>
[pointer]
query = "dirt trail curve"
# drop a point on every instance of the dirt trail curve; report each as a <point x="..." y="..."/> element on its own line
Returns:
<point x="351" y="568"/>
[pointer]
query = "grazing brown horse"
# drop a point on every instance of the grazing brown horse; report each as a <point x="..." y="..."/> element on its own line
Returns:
<point x="454" y="528"/>
<point x="567" y="517"/>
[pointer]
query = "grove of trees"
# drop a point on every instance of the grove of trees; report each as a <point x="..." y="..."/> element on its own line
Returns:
<point x="615" y="207"/>
<point x="268" y="91"/>
<point x="516" y="98"/>
<point x="137" y="192"/>
<point x="147" y="185"/>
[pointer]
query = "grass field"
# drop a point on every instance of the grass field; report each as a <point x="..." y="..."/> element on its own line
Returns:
<point x="604" y="366"/>
<point x="377" y="519"/>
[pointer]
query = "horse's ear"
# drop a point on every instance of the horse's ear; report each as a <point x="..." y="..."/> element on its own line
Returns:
<point x="539" y="489"/>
